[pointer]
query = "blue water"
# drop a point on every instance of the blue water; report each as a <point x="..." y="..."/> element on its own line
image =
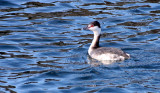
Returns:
<point x="43" y="48"/>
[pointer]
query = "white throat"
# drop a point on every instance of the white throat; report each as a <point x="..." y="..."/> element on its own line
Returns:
<point x="96" y="30"/>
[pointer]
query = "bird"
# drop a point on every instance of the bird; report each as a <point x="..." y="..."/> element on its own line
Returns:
<point x="103" y="53"/>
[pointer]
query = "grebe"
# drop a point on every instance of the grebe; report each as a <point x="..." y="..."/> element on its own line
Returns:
<point x="103" y="53"/>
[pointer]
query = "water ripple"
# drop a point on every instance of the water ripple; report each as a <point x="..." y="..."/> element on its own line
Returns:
<point x="44" y="50"/>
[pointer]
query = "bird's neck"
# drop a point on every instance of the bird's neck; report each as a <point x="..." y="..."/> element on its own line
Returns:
<point x="94" y="44"/>
<point x="95" y="41"/>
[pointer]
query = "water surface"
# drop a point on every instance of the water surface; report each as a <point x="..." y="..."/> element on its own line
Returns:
<point x="44" y="50"/>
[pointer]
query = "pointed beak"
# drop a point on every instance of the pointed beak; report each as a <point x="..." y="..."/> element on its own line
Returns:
<point x="85" y="28"/>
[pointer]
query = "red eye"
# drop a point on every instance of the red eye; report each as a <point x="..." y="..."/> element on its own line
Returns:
<point x="91" y="26"/>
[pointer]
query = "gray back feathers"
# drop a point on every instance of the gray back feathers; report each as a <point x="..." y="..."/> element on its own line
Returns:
<point x="105" y="50"/>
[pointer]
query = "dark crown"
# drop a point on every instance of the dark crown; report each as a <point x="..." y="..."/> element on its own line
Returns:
<point x="96" y="23"/>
